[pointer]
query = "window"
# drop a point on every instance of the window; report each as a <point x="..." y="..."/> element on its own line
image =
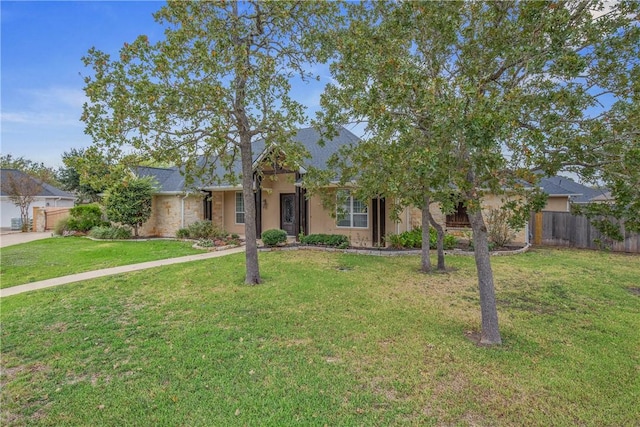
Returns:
<point x="459" y="217"/>
<point x="239" y="208"/>
<point x="207" y="206"/>
<point x="352" y="213"/>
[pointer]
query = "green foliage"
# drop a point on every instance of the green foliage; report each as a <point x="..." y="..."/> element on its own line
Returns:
<point x="182" y="233"/>
<point x="413" y="239"/>
<point x="499" y="231"/>
<point x="84" y="217"/>
<point x="335" y="240"/>
<point x="201" y="230"/>
<point x="61" y="228"/>
<point x="273" y="237"/>
<point x="111" y="233"/>
<point x="37" y="170"/>
<point x="86" y="173"/>
<point x="219" y="77"/>
<point x="129" y="202"/>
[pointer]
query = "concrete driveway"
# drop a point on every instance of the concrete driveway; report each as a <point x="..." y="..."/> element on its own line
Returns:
<point x="9" y="238"/>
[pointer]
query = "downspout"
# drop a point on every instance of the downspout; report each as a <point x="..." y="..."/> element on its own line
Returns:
<point x="55" y="202"/>
<point x="182" y="209"/>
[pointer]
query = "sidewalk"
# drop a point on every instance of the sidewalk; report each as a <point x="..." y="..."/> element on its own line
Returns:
<point x="114" y="270"/>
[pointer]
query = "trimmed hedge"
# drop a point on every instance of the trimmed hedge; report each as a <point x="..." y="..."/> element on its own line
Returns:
<point x="273" y="237"/>
<point x="337" y="240"/>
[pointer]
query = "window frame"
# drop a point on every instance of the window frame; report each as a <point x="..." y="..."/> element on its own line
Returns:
<point x="239" y="212"/>
<point x="349" y="213"/>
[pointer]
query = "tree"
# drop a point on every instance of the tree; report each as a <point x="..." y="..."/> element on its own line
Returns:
<point x="22" y="189"/>
<point x="496" y="90"/>
<point x="219" y="81"/>
<point x="129" y="202"/>
<point x="86" y="173"/>
<point x="378" y="166"/>
<point x="38" y="170"/>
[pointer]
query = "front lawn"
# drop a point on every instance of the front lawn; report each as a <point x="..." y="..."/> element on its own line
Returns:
<point x="44" y="259"/>
<point x="329" y="339"/>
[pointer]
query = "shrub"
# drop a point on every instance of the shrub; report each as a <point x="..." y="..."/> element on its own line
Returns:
<point x="337" y="240"/>
<point x="201" y="230"/>
<point x="273" y="237"/>
<point x="413" y="239"/>
<point x="62" y="227"/>
<point x="129" y="202"/>
<point x="182" y="233"/>
<point x="84" y="217"/>
<point x="498" y="231"/>
<point x="112" y="233"/>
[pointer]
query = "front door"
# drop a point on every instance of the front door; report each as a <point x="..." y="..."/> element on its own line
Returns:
<point x="287" y="213"/>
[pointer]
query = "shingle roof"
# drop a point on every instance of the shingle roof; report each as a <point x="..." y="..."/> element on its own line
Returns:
<point x="559" y="185"/>
<point x="171" y="180"/>
<point x="46" y="189"/>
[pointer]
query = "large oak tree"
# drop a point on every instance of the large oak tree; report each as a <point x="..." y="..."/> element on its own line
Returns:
<point x="493" y="91"/>
<point x="216" y="83"/>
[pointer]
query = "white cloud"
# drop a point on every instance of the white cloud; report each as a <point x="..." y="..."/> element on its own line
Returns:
<point x="60" y="97"/>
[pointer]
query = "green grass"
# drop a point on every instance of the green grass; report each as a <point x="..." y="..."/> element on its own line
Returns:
<point x="44" y="259"/>
<point x="329" y="339"/>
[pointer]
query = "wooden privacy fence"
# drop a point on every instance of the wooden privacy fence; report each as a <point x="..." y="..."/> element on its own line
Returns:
<point x="46" y="218"/>
<point x="566" y="229"/>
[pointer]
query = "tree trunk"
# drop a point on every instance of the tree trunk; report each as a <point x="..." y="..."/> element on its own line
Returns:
<point x="490" y="334"/>
<point x="242" y="69"/>
<point x="440" y="232"/>
<point x="426" y="261"/>
<point x="251" y="253"/>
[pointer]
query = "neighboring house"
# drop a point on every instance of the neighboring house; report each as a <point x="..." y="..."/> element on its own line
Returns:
<point x="563" y="192"/>
<point x="48" y="196"/>
<point x="281" y="201"/>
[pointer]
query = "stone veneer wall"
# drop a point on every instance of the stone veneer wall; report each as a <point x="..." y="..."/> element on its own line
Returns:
<point x="167" y="214"/>
<point x="217" y="207"/>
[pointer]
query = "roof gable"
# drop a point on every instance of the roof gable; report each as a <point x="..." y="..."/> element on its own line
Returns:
<point x="171" y="180"/>
<point x="46" y="190"/>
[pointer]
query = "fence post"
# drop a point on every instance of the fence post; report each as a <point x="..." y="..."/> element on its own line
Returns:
<point x="537" y="232"/>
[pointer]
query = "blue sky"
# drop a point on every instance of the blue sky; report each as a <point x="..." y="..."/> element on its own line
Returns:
<point x="41" y="68"/>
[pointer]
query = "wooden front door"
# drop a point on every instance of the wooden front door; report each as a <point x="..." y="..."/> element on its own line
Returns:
<point x="288" y="213"/>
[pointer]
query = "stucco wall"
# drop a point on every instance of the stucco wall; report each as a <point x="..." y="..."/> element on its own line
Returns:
<point x="557" y="204"/>
<point x="229" y="208"/>
<point x="321" y="221"/>
<point x="167" y="214"/>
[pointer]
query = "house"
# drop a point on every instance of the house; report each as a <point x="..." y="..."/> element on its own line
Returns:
<point x="281" y="200"/>
<point x="563" y="192"/>
<point x="46" y="196"/>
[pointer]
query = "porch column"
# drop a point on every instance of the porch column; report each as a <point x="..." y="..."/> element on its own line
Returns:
<point x="378" y="207"/>
<point x="300" y="205"/>
<point x="258" y="198"/>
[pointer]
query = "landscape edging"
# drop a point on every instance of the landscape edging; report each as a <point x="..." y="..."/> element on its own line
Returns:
<point x="384" y="252"/>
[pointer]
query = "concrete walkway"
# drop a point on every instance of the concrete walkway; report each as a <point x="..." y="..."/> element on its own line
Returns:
<point x="111" y="271"/>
